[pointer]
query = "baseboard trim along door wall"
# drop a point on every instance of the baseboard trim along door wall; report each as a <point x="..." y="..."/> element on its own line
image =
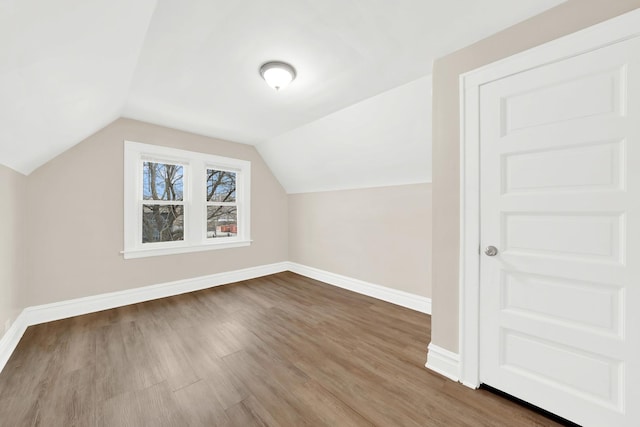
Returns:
<point x="75" y="307"/>
<point x="443" y="361"/>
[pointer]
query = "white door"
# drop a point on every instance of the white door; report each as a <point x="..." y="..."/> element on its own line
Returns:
<point x="560" y="201"/>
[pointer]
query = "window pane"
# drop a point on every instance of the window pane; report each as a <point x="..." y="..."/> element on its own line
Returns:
<point x="161" y="181"/>
<point x="162" y="223"/>
<point x="221" y="186"/>
<point x="222" y="221"/>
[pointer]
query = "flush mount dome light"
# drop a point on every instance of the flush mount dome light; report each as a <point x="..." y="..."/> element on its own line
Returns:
<point x="277" y="74"/>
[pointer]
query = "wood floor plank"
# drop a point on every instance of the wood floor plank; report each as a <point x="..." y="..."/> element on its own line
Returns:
<point x="165" y="351"/>
<point x="273" y="385"/>
<point x="123" y="361"/>
<point x="199" y="406"/>
<point x="154" y="406"/>
<point x="227" y="388"/>
<point x="251" y="413"/>
<point x="76" y="406"/>
<point x="282" y="350"/>
<point x="17" y="410"/>
<point x="30" y="362"/>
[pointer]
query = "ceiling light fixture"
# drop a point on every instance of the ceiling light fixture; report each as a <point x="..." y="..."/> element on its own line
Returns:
<point x="277" y="74"/>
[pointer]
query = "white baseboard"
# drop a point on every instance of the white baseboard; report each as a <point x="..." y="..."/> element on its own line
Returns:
<point x="10" y="339"/>
<point x="444" y="362"/>
<point x="79" y="306"/>
<point x="394" y="296"/>
<point x="76" y="307"/>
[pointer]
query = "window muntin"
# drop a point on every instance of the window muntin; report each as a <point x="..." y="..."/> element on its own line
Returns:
<point x="180" y="201"/>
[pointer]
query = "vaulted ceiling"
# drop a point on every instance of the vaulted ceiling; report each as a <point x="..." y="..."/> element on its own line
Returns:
<point x="70" y="67"/>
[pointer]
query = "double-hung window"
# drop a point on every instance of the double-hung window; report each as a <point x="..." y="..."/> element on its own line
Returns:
<point x="180" y="201"/>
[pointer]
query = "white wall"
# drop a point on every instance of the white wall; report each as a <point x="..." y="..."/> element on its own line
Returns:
<point x="12" y="260"/>
<point x="381" y="141"/>
<point x="379" y="235"/>
<point x="76" y="226"/>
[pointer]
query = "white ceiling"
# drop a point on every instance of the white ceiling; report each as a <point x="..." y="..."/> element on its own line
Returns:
<point x="65" y="71"/>
<point x="69" y="67"/>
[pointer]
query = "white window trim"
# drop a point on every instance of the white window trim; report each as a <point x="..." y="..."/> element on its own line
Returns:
<point x="195" y="237"/>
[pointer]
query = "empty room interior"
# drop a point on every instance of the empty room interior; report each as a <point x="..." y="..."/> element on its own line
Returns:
<point x="320" y="213"/>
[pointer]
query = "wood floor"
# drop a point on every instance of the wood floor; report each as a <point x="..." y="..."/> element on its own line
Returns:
<point x="282" y="350"/>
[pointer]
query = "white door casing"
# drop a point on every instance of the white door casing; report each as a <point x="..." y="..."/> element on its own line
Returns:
<point x="551" y="159"/>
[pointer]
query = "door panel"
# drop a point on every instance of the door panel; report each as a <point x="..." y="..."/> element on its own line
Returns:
<point x="560" y="198"/>
<point x="595" y="307"/>
<point x="588" y="237"/>
<point x="563" y="367"/>
<point x="593" y="167"/>
<point x="557" y="101"/>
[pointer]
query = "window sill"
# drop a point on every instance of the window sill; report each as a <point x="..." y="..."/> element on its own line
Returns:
<point x="149" y="252"/>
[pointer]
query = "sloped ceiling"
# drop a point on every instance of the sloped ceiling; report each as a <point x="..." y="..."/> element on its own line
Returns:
<point x="65" y="71"/>
<point x="381" y="141"/>
<point x="69" y="67"/>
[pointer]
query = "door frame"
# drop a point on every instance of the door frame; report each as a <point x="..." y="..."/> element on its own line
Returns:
<point x="623" y="27"/>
